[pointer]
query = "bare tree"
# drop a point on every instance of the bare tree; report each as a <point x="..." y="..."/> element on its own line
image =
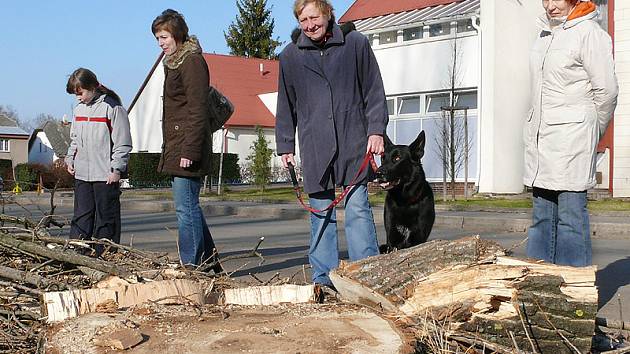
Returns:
<point x="42" y="118"/>
<point x="451" y="145"/>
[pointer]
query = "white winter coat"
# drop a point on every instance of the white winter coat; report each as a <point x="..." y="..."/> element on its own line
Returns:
<point x="574" y="91"/>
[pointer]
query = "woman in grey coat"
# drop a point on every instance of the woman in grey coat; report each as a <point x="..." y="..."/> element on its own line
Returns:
<point x="574" y="95"/>
<point x="331" y="91"/>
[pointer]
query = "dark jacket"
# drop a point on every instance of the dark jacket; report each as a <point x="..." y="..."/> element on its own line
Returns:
<point x="185" y="124"/>
<point x="335" y="99"/>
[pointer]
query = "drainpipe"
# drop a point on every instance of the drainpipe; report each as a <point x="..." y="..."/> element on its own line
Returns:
<point x="479" y="100"/>
<point x="224" y="132"/>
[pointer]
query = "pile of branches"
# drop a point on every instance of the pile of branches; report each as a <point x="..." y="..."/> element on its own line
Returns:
<point x="32" y="262"/>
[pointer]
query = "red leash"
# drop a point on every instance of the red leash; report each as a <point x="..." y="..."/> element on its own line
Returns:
<point x="368" y="160"/>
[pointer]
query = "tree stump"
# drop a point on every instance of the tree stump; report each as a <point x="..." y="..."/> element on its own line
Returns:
<point x="478" y="294"/>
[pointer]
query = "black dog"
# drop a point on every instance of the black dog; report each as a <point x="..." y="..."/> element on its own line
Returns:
<point x="409" y="205"/>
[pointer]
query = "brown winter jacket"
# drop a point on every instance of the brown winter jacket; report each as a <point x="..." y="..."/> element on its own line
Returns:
<point x="185" y="127"/>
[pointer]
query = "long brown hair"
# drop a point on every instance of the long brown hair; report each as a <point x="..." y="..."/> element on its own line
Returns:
<point x="85" y="79"/>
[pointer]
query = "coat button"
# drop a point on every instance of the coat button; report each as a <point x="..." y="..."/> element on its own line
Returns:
<point x="177" y="127"/>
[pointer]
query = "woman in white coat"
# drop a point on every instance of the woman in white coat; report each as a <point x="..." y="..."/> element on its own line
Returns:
<point x="574" y="95"/>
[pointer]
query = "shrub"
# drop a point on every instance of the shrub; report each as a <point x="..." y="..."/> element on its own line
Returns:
<point x="143" y="171"/>
<point x="6" y="172"/>
<point x="27" y="175"/>
<point x="231" y="171"/>
<point x="57" y="175"/>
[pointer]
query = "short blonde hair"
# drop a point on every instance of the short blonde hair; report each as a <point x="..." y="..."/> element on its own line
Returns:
<point x="324" y="6"/>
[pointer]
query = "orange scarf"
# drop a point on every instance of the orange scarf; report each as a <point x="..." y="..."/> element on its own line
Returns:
<point x="582" y="9"/>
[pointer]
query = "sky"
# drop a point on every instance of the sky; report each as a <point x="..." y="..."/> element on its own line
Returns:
<point x="45" y="41"/>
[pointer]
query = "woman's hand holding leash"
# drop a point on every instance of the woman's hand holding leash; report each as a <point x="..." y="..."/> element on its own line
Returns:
<point x="375" y="145"/>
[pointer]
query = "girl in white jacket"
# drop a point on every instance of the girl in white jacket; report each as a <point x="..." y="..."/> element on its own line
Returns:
<point x="97" y="157"/>
<point x="574" y="94"/>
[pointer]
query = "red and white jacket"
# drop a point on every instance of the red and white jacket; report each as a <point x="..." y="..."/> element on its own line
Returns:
<point x="101" y="139"/>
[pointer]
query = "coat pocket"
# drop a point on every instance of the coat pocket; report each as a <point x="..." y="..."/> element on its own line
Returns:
<point x="559" y="116"/>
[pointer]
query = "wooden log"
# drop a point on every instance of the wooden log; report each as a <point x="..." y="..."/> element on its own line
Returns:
<point x="62" y="255"/>
<point x="59" y="306"/>
<point x="469" y="285"/>
<point x="269" y="295"/>
<point x="29" y="278"/>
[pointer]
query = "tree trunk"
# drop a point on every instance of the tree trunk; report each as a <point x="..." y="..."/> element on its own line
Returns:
<point x="471" y="288"/>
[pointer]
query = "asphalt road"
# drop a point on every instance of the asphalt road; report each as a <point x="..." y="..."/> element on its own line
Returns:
<point x="285" y="248"/>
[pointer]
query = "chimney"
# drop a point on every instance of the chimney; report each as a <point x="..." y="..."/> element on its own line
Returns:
<point x="262" y="69"/>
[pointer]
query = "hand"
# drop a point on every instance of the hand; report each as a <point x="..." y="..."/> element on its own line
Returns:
<point x="185" y="163"/>
<point x="71" y="170"/>
<point x="286" y="158"/>
<point x="375" y="145"/>
<point x="113" y="177"/>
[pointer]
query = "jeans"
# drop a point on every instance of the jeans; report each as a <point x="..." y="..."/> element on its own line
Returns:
<point x="360" y="232"/>
<point x="195" y="241"/>
<point x="560" y="231"/>
<point x="96" y="211"/>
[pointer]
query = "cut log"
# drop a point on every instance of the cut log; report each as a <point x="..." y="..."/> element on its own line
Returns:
<point x="269" y="295"/>
<point x="59" y="306"/>
<point x="471" y="287"/>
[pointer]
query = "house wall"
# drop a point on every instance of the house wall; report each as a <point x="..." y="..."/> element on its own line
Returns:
<point x="507" y="33"/>
<point x="621" y="169"/>
<point x="18" y="151"/>
<point x="145" y="118"/>
<point x="41" y="151"/>
<point x="423" y="68"/>
<point x="239" y="140"/>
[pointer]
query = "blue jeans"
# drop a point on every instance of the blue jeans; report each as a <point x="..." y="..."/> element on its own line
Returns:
<point x="360" y="232"/>
<point x="195" y="241"/>
<point x="560" y="231"/>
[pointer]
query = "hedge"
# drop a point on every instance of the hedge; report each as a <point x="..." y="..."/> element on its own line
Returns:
<point x="231" y="170"/>
<point x="6" y="172"/>
<point x="28" y="175"/>
<point x="143" y="170"/>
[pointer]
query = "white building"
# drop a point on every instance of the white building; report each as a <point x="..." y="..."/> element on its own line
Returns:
<point x="414" y="43"/>
<point x="49" y="143"/>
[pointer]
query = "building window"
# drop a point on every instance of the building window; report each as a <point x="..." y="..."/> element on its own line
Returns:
<point x="4" y="145"/>
<point x="370" y="38"/>
<point x="388" y="37"/>
<point x="439" y="29"/>
<point x="390" y="106"/>
<point x="409" y="105"/>
<point x="436" y="102"/>
<point x="410" y="34"/>
<point x="467" y="99"/>
<point x="42" y="147"/>
<point x="465" y="26"/>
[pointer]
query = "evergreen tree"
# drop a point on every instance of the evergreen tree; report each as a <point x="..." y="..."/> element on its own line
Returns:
<point x="250" y="35"/>
<point x="260" y="160"/>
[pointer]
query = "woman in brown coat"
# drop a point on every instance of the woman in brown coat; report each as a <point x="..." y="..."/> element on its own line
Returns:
<point x="186" y="144"/>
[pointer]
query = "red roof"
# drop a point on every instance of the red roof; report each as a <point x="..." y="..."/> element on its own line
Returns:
<point x="362" y="9"/>
<point x="241" y="80"/>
